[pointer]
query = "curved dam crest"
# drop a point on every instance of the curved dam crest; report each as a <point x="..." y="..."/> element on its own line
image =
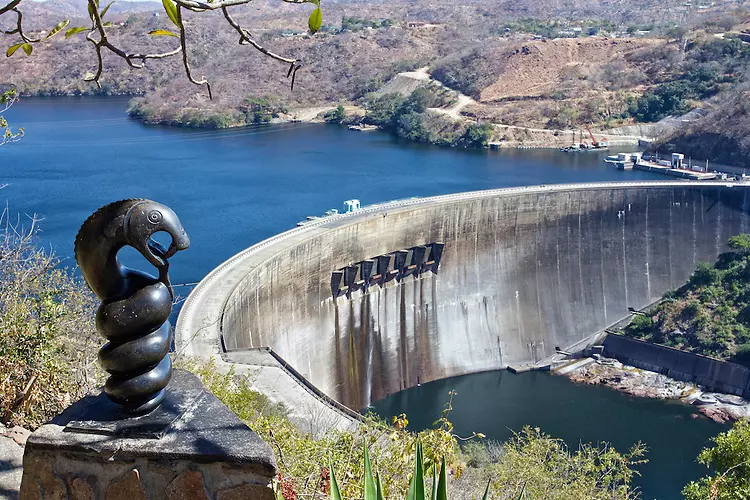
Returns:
<point x="522" y="271"/>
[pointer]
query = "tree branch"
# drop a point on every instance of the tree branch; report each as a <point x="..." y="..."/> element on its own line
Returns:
<point x="7" y="8"/>
<point x="97" y="36"/>
<point x="185" y="62"/>
<point x="103" y="41"/>
<point x="19" y="27"/>
<point x="246" y="38"/>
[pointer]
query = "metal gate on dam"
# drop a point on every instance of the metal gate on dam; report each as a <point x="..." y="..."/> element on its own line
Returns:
<point x="366" y="304"/>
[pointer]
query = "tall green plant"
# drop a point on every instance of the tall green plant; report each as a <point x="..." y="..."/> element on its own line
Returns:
<point x="374" y="489"/>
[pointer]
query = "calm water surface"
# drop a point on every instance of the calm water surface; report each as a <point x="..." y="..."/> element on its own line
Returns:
<point x="500" y="403"/>
<point x="237" y="187"/>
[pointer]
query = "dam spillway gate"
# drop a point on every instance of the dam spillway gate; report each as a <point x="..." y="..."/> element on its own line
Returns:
<point x="384" y="269"/>
<point x="522" y="271"/>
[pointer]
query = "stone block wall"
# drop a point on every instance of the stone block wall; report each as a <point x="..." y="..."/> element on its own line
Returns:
<point x="205" y="453"/>
<point x="74" y="476"/>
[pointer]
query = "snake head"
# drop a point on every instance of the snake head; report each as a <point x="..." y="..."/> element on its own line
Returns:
<point x="147" y="218"/>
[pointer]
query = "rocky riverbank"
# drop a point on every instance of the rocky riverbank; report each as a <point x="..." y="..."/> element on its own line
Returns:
<point x="647" y="384"/>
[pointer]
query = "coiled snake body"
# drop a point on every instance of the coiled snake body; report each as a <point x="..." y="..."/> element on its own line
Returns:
<point x="135" y="307"/>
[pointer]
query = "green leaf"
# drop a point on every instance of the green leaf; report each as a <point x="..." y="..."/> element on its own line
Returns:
<point x="416" y="485"/>
<point x="371" y="491"/>
<point x="73" y="31"/>
<point x="434" y="483"/>
<point x="57" y="29"/>
<point x="12" y="49"/>
<point x="442" y="488"/>
<point x="91" y="10"/>
<point x="487" y="491"/>
<point x="521" y="495"/>
<point x="105" y="9"/>
<point x="316" y="20"/>
<point x="335" y="493"/>
<point x="28" y="48"/>
<point x="89" y="77"/>
<point x="163" y="33"/>
<point x="380" y="486"/>
<point x="107" y="24"/>
<point x="171" y="9"/>
<point x="315" y="2"/>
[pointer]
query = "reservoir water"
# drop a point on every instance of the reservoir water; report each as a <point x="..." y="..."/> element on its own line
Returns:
<point x="500" y="403"/>
<point x="234" y="188"/>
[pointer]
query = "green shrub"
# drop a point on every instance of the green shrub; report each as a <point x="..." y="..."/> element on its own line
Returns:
<point x="640" y="327"/>
<point x="740" y="243"/>
<point x="477" y="135"/>
<point x="729" y="461"/>
<point x="315" y="462"/>
<point x="334" y="115"/>
<point x="259" y="110"/>
<point x="705" y="274"/>
<point x="382" y="109"/>
<point x="742" y="355"/>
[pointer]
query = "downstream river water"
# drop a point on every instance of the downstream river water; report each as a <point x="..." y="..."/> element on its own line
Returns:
<point x="234" y="188"/>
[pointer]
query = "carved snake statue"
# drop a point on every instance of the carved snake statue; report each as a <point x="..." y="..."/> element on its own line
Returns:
<point x="135" y="307"/>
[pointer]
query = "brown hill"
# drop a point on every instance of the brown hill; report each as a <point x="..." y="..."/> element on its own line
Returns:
<point x="539" y="68"/>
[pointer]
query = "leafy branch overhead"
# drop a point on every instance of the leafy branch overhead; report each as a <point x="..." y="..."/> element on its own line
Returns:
<point x="7" y="99"/>
<point x="98" y="35"/>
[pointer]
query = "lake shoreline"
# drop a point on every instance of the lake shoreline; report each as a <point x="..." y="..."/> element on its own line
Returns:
<point x="720" y="408"/>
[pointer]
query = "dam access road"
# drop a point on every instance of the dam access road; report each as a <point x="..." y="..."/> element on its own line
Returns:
<point x="366" y="304"/>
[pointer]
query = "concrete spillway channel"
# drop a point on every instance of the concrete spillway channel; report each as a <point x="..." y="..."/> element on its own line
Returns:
<point x="499" y="277"/>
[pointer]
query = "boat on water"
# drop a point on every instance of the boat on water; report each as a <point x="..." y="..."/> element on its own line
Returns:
<point x="673" y="167"/>
<point x="363" y="128"/>
<point x="586" y="147"/>
<point x="624" y="161"/>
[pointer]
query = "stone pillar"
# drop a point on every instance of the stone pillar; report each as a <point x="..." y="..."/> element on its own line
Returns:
<point x="191" y="448"/>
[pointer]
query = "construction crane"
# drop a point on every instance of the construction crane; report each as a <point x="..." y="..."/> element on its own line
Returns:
<point x="594" y="142"/>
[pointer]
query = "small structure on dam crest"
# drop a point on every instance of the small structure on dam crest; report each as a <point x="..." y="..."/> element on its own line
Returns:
<point x="140" y="439"/>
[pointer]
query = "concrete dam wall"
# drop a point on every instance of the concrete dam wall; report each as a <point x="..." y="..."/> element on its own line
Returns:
<point x="521" y="271"/>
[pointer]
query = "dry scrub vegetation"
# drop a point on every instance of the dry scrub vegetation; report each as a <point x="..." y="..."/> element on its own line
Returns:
<point x="469" y="49"/>
<point x="48" y="340"/>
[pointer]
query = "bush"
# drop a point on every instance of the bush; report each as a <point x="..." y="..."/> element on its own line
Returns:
<point x="742" y="356"/>
<point x="729" y="461"/>
<point x="382" y="109"/>
<point x="705" y="274"/>
<point x="309" y="459"/>
<point x="535" y="465"/>
<point x="477" y="135"/>
<point x="668" y="99"/>
<point x="740" y="243"/>
<point x="640" y="327"/>
<point x="48" y="344"/>
<point x="334" y="115"/>
<point x="305" y="451"/>
<point x="262" y="109"/>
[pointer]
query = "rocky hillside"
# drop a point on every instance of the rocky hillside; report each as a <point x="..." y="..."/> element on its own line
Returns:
<point x="722" y="135"/>
<point x="710" y="315"/>
<point x="609" y="64"/>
